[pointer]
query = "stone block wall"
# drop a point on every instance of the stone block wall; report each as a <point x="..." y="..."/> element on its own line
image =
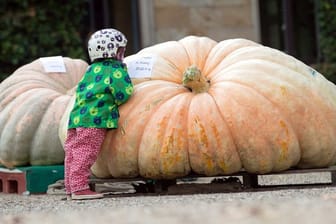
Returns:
<point x="217" y="19"/>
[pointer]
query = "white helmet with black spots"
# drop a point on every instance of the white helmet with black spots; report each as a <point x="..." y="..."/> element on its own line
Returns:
<point x="105" y="43"/>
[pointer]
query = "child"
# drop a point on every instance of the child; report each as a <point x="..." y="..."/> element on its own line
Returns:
<point x="105" y="85"/>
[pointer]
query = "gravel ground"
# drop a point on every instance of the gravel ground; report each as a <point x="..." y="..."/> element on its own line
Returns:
<point x="308" y="205"/>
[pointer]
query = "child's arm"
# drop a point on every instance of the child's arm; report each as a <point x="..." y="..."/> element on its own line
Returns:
<point x="122" y="87"/>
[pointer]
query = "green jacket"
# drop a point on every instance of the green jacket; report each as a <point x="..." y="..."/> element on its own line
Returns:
<point x="104" y="86"/>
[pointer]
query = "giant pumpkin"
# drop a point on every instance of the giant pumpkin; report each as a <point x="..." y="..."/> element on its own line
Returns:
<point x="216" y="108"/>
<point x="32" y="103"/>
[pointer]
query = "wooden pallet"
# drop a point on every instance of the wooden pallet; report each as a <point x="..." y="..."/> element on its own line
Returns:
<point x="193" y="184"/>
<point x="251" y="180"/>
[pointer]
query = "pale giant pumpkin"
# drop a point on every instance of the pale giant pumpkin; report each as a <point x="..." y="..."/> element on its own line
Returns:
<point x="217" y="108"/>
<point x="32" y="103"/>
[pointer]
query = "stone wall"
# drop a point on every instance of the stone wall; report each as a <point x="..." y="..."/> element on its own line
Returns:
<point x="218" y="19"/>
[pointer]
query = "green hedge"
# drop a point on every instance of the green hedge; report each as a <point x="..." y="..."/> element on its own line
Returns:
<point x="326" y="16"/>
<point x="32" y="28"/>
<point x="326" y="21"/>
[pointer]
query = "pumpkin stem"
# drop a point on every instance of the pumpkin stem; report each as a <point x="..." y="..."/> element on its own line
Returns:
<point x="194" y="80"/>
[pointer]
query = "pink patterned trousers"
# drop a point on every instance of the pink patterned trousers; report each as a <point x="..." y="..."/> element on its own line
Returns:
<point x="81" y="150"/>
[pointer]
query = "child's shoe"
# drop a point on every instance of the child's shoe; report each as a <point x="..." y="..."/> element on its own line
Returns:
<point x="86" y="194"/>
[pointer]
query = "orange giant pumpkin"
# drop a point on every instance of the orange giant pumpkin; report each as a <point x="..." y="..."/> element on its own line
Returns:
<point x="214" y="108"/>
<point x="32" y="103"/>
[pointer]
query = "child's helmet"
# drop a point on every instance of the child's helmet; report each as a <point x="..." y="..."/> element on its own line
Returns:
<point x="105" y="43"/>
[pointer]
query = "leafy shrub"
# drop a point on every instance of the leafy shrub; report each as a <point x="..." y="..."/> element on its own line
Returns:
<point x="326" y="19"/>
<point x="31" y="29"/>
<point x="326" y="16"/>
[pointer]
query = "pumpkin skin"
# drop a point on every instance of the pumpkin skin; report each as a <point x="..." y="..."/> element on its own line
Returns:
<point x="32" y="103"/>
<point x="261" y="110"/>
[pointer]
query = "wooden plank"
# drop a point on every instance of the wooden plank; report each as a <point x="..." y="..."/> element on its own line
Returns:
<point x="312" y="170"/>
<point x="249" y="182"/>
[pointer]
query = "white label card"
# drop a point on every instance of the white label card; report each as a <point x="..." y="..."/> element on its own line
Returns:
<point x="53" y="64"/>
<point x="140" y="67"/>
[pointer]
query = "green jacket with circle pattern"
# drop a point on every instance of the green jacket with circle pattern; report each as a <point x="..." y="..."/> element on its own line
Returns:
<point x="104" y="86"/>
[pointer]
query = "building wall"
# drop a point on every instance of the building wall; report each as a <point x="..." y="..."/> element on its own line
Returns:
<point x="163" y="20"/>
